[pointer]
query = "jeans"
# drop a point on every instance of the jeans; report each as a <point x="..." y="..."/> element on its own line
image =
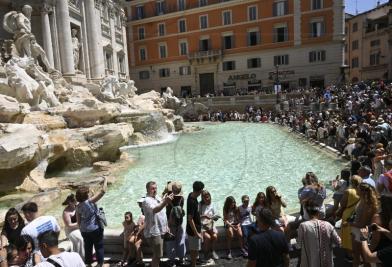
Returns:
<point x="246" y="231"/>
<point x="94" y="238"/>
<point x="176" y="248"/>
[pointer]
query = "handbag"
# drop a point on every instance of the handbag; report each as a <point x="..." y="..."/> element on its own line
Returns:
<point x="100" y="217"/>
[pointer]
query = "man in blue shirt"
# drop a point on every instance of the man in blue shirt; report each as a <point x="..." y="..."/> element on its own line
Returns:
<point x="268" y="248"/>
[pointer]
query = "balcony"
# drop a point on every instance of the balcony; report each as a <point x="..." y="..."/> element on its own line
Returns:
<point x="200" y="56"/>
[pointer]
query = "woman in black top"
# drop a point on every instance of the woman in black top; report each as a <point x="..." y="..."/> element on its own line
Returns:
<point x="13" y="225"/>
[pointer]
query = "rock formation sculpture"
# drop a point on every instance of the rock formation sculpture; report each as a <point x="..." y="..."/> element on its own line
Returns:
<point x="171" y="101"/>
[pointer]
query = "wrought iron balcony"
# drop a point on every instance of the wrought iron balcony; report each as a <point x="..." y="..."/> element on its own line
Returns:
<point x="209" y="54"/>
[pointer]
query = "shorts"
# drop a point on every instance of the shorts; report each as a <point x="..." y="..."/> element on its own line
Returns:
<point x="156" y="244"/>
<point x="194" y="243"/>
<point x="356" y="232"/>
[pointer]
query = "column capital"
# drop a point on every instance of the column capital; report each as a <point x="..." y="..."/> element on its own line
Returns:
<point x="46" y="8"/>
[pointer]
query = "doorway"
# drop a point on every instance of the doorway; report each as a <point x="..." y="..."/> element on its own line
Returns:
<point x="206" y="83"/>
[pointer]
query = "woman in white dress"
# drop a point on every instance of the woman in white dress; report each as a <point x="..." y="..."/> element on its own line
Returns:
<point x="71" y="226"/>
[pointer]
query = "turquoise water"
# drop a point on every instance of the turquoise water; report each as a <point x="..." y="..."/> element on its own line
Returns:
<point x="230" y="158"/>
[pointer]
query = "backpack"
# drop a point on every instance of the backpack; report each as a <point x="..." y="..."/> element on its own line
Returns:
<point x="176" y="216"/>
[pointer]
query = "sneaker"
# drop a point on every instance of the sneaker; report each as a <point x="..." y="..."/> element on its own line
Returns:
<point x="229" y="257"/>
<point x="215" y="255"/>
<point x="244" y="253"/>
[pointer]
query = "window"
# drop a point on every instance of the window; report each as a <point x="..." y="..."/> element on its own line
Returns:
<point x="108" y="60"/>
<point x="185" y="70"/>
<point x="355" y="27"/>
<point x="316" y="56"/>
<point x="160" y="7"/>
<point x="375" y="59"/>
<point x="252" y="13"/>
<point x="161" y="29"/>
<point x="317" y="4"/>
<point x="141" y="33"/>
<point x="164" y="72"/>
<point x="281" y="60"/>
<point x="254" y="63"/>
<point x="204" y="44"/>
<point x="181" y="5"/>
<point x="144" y="75"/>
<point x="183" y="48"/>
<point x="121" y="63"/>
<point x="280" y="8"/>
<point x="142" y="54"/>
<point x="140" y="12"/>
<point x="228" y="65"/>
<point x="226" y="17"/>
<point x="354" y="45"/>
<point x="203" y="2"/>
<point x="375" y="43"/>
<point x="253" y="38"/>
<point x="355" y="63"/>
<point x="280" y="34"/>
<point x="316" y="29"/>
<point x="228" y="42"/>
<point x="203" y="22"/>
<point x="181" y="25"/>
<point x="117" y="20"/>
<point x="162" y="51"/>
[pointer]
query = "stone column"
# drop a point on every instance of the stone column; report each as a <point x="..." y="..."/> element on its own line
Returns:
<point x="46" y="33"/>
<point x="65" y="37"/>
<point x="97" y="69"/>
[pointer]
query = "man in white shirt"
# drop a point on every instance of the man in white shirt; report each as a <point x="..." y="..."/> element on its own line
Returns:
<point x="155" y="225"/>
<point x="48" y="244"/>
<point x="37" y="225"/>
<point x="365" y="172"/>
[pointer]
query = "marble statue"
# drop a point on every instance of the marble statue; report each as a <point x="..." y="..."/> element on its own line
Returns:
<point x="19" y="24"/>
<point x="29" y="90"/>
<point x="108" y="86"/>
<point x="126" y="89"/>
<point x="76" y="49"/>
<point x="170" y="101"/>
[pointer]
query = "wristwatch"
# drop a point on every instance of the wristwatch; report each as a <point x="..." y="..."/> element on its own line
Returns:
<point x="362" y="238"/>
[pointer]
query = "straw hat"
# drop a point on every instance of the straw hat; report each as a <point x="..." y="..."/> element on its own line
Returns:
<point x="380" y="120"/>
<point x="175" y="187"/>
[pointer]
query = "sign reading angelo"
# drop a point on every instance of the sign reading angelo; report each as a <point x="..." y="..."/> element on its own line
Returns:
<point x="246" y="76"/>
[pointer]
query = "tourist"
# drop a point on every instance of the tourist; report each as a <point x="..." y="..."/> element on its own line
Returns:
<point x="384" y="182"/>
<point x="7" y="256"/>
<point x="383" y="256"/>
<point x="347" y="207"/>
<point x="231" y="219"/>
<point x="132" y="241"/>
<point x="269" y="248"/>
<point x="381" y="237"/>
<point x="365" y="172"/>
<point x="37" y="224"/>
<point x="275" y="203"/>
<point x="13" y="225"/>
<point x="86" y="214"/>
<point x="366" y="208"/>
<point x="193" y="227"/>
<point x="175" y="213"/>
<point x="208" y="215"/>
<point x="316" y="238"/>
<point x="155" y="220"/>
<point x="48" y="244"/>
<point x="340" y="185"/>
<point x="245" y="213"/>
<point x="314" y="192"/>
<point x="27" y="254"/>
<point x="71" y="226"/>
<point x="259" y="203"/>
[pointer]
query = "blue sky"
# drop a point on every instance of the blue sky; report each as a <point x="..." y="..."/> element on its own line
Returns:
<point x="363" y="5"/>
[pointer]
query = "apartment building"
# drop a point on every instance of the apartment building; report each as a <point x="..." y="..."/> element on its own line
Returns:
<point x="367" y="47"/>
<point x="204" y="47"/>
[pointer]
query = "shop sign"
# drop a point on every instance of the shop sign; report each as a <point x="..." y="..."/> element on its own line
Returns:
<point x="282" y="72"/>
<point x="246" y="76"/>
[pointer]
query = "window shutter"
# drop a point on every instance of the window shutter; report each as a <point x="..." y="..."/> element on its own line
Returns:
<point x="310" y="57"/>
<point x="323" y="55"/>
<point x="310" y="29"/>
<point x="322" y="28"/>
<point x="286" y="7"/>
<point x="274" y="9"/>
<point x="164" y="7"/>
<point x="275" y="32"/>
<point x="200" y="45"/>
<point x="209" y="44"/>
<point x="248" y="38"/>
<point x="249" y="63"/>
<point x="286" y="33"/>
<point x="258" y="37"/>
<point x="286" y="59"/>
<point x="232" y="41"/>
<point x="275" y="60"/>
<point x="156" y="8"/>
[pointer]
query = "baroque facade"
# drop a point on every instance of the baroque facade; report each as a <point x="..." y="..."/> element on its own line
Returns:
<point x="200" y="47"/>
<point x="83" y="39"/>
<point x="368" y="44"/>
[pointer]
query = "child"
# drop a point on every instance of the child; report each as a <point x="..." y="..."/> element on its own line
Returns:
<point x="132" y="239"/>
